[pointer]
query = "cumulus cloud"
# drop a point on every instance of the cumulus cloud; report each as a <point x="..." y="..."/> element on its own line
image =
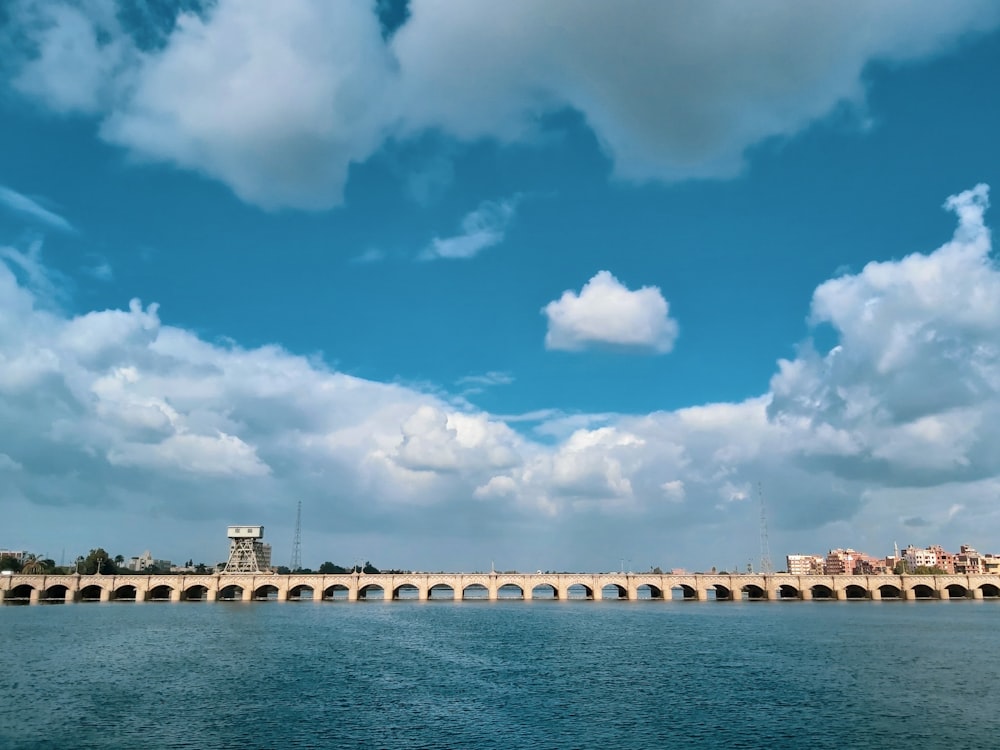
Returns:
<point x="894" y="429"/>
<point x="606" y="312"/>
<point x="278" y="100"/>
<point x="481" y="229"/>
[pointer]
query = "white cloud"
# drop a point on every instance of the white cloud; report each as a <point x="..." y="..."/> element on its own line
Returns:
<point x="897" y="428"/>
<point x="26" y="206"/>
<point x="481" y="229"/>
<point x="605" y="312"/>
<point x="278" y="100"/>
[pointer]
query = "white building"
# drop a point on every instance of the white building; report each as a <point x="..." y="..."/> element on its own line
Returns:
<point x="804" y="565"/>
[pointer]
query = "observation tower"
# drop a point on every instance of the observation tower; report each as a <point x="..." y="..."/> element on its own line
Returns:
<point x="247" y="551"/>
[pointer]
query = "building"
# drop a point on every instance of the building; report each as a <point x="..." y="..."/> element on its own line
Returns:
<point x="840" y="562"/>
<point x="968" y="561"/>
<point x="804" y="565"/>
<point x="146" y="561"/>
<point x="18" y="554"/>
<point x="916" y="557"/>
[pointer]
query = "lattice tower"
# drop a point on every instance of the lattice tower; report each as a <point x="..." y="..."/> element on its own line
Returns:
<point x="297" y="542"/>
<point x="766" y="568"/>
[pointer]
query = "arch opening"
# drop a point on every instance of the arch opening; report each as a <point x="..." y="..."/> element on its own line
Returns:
<point x="544" y="591"/>
<point x="302" y="592"/>
<point x="613" y="591"/>
<point x="126" y="593"/>
<point x="819" y="591"/>
<point x="855" y="592"/>
<point x="648" y="591"/>
<point x="442" y="591"/>
<point x="196" y="593"/>
<point x="338" y="592"/>
<point x="366" y="593"/>
<point x="923" y="591"/>
<point x="510" y="591"/>
<point x="231" y="593"/>
<point x="20" y="594"/>
<point x="54" y="594"/>
<point x="266" y="593"/>
<point x="956" y="591"/>
<point x="408" y="591"/>
<point x="787" y="591"/>
<point x="160" y="594"/>
<point x="473" y="591"/>
<point x="683" y="592"/>
<point x="90" y="593"/>
<point x="990" y="591"/>
<point x="755" y="593"/>
<point x="725" y="594"/>
<point x="888" y="591"/>
<point x="578" y="591"/>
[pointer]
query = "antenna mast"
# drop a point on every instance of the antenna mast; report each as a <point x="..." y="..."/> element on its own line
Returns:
<point x="297" y="543"/>
<point x="765" y="550"/>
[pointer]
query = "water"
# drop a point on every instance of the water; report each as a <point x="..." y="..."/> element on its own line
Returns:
<point x="505" y="675"/>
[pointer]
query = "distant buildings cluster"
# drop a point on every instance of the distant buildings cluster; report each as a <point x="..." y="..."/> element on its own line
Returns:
<point x="933" y="559"/>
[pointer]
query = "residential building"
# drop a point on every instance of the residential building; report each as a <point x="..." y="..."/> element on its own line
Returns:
<point x="968" y="561"/>
<point x="804" y="565"/>
<point x="145" y="561"/>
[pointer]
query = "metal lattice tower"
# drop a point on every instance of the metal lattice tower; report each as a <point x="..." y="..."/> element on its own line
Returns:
<point x="247" y="550"/>
<point x="297" y="542"/>
<point x="765" y="548"/>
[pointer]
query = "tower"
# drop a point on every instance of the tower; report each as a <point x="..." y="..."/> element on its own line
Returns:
<point x="247" y="551"/>
<point x="297" y="542"/>
<point x="765" y="551"/>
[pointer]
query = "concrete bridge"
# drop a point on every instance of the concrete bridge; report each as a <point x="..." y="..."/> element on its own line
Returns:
<point x="65" y="589"/>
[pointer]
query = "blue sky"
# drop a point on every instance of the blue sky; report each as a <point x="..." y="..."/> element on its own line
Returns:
<point x="492" y="283"/>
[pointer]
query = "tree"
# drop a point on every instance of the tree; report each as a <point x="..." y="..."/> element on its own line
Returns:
<point x="10" y="563"/>
<point x="98" y="558"/>
<point x="119" y="559"/>
<point x="330" y="568"/>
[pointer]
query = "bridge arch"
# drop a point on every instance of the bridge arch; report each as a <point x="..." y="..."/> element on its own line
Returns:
<point x="160" y="593"/>
<point x="888" y="591"/>
<point x="545" y="590"/>
<point x="266" y="592"/>
<point x="616" y="590"/>
<point x="196" y="593"/>
<point x="956" y="591"/>
<point x="55" y="594"/>
<point x="725" y="593"/>
<point x="651" y="590"/>
<point x="855" y="591"/>
<point x="295" y="593"/>
<point x="472" y="591"/>
<point x="370" y="588"/>
<point x="788" y="591"/>
<point x="755" y="592"/>
<point x="125" y="593"/>
<point x="441" y="590"/>
<point x="231" y="593"/>
<point x="510" y="590"/>
<point x="923" y="591"/>
<point x="20" y="594"/>
<point x="990" y="590"/>
<point x="821" y="591"/>
<point x="579" y="590"/>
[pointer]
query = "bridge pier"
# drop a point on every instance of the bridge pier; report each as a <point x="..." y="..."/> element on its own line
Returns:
<point x="105" y="594"/>
<point x="34" y="596"/>
<point x="875" y="594"/>
<point x="841" y="595"/>
<point x="976" y="593"/>
<point x="248" y="593"/>
<point x="806" y="594"/>
<point x="175" y="595"/>
<point x="211" y="595"/>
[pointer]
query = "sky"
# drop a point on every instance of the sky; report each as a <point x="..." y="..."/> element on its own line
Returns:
<point x="551" y="286"/>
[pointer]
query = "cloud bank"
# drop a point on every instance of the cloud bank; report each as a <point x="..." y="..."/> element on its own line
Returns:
<point x="278" y="100"/>
<point x="899" y="421"/>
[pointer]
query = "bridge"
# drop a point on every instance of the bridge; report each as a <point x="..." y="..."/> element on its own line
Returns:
<point x="66" y="589"/>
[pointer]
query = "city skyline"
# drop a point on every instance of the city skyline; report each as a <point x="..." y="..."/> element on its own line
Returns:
<point x="495" y="284"/>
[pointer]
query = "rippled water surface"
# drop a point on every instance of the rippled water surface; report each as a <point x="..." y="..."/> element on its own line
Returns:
<point x="500" y="675"/>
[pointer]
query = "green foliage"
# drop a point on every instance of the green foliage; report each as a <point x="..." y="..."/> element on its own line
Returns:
<point x="98" y="558"/>
<point x="329" y="568"/>
<point x="10" y="563"/>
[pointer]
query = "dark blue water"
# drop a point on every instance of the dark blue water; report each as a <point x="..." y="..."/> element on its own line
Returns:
<point x="500" y="675"/>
